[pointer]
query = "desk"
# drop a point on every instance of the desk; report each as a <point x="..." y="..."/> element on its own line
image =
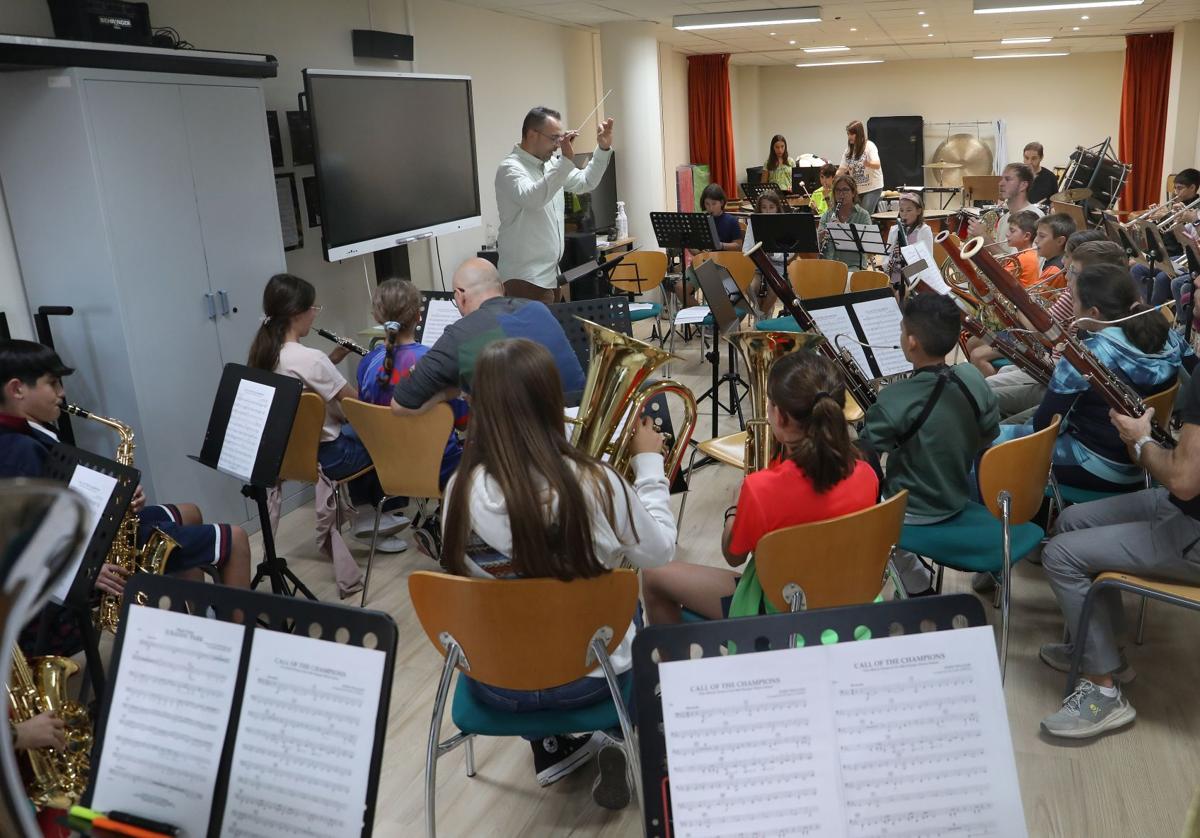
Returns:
<point x="619" y="246"/>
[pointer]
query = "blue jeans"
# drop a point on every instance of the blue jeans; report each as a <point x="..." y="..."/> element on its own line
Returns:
<point x="346" y="455"/>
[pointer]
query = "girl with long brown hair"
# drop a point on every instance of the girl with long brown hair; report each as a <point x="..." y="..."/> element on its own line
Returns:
<point x="779" y="165"/>
<point x="861" y="161"/>
<point x="526" y="503"/>
<point x="820" y="476"/>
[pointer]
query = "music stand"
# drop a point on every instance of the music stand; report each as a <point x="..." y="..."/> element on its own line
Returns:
<point x="711" y="278"/>
<point x="753" y="190"/>
<point x="1158" y="257"/>
<point x="805" y="179"/>
<point x="789" y="233"/>
<point x="685" y="230"/>
<point x="857" y="238"/>
<point x="247" y="437"/>
<point x="427" y="298"/>
<point x="41" y="325"/>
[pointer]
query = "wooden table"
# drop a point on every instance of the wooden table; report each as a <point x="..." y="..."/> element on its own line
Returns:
<point x="626" y="244"/>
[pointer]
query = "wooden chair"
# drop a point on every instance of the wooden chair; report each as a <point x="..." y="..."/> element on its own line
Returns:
<point x="738" y="264"/>
<point x="1012" y="477"/>
<point x="407" y="452"/>
<point x="868" y="280"/>
<point x="638" y="273"/>
<point x="817" y="277"/>
<point x="841" y="561"/>
<point x="728" y="450"/>
<point x="524" y="634"/>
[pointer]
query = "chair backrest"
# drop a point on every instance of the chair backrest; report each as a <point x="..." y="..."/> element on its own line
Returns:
<point x="740" y="268"/>
<point x="523" y="289"/>
<point x="840" y="561"/>
<point x="1163" y="403"/>
<point x="868" y="280"/>
<point x="525" y="634"/>
<point x="817" y="277"/>
<point x="639" y="272"/>
<point x="406" y="450"/>
<point x="1020" y="467"/>
<point x="300" y="458"/>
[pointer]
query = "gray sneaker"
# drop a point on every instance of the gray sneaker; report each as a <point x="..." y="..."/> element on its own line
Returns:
<point x="1088" y="712"/>
<point x="983" y="583"/>
<point x="1058" y="656"/>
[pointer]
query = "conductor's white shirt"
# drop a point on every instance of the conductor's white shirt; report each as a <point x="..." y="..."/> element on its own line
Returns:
<point x="529" y="195"/>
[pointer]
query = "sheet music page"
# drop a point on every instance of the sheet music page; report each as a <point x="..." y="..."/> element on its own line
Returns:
<point x="96" y="488"/>
<point x="746" y="750"/>
<point x="441" y="313"/>
<point x="834" y="321"/>
<point x="243" y="432"/>
<point x="302" y="757"/>
<point x="691" y="314"/>
<point x="897" y="736"/>
<point x="930" y="275"/>
<point x="880" y="321"/>
<point x="170" y="711"/>
<point x="842" y="235"/>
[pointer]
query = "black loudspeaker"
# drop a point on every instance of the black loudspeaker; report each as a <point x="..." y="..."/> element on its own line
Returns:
<point x="901" y="144"/>
<point x="577" y="249"/>
<point x="105" y="21"/>
<point x="371" y="43"/>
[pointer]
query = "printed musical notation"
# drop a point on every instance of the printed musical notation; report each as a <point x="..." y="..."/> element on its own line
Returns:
<point x="302" y="756"/>
<point x="898" y="736"/>
<point x="169" y="715"/>
<point x="834" y="321"/>
<point x="880" y="321"/>
<point x="243" y="432"/>
<point x="441" y="313"/>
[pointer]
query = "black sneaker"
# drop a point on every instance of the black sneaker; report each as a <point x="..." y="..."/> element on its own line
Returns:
<point x="428" y="535"/>
<point x="611" y="786"/>
<point x="557" y="756"/>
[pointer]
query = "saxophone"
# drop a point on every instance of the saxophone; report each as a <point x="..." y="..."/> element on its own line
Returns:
<point x="58" y="777"/>
<point x="151" y="557"/>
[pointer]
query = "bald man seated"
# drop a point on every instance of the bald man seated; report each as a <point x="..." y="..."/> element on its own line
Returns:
<point x="487" y="316"/>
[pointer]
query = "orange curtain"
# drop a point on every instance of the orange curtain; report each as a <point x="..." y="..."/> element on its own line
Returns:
<point x="710" y="119"/>
<point x="1144" y="115"/>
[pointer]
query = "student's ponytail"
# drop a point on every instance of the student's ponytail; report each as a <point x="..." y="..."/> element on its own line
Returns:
<point x="810" y="391"/>
<point x="1111" y="290"/>
<point x="285" y="297"/>
<point x="396" y="305"/>
<point x="392" y="328"/>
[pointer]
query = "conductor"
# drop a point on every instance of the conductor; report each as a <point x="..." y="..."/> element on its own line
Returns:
<point x="529" y="195"/>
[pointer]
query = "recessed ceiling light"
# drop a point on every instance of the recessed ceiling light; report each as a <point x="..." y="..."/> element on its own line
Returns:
<point x="840" y="63"/>
<point x="1025" y="40"/>
<point x="793" y="43"/>
<point x="827" y="49"/>
<point x="772" y="33"/>
<point x="760" y="17"/>
<point x="992" y="7"/>
<point x="1019" y="55"/>
<point x="920" y="13"/>
<point x="930" y="35"/>
<point x="1074" y="28"/>
<point x="924" y="25"/>
<point x="853" y="29"/>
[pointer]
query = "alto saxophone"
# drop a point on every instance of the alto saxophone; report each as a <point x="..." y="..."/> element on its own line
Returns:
<point x="57" y="777"/>
<point x="151" y="557"/>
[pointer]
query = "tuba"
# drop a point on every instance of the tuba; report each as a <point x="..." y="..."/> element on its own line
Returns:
<point x="619" y="366"/>
<point x="57" y="777"/>
<point x="760" y="350"/>
<point x="152" y="556"/>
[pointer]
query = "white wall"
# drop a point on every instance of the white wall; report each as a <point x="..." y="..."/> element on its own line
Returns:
<point x="1182" y="147"/>
<point x="749" y="142"/>
<point x="672" y="81"/>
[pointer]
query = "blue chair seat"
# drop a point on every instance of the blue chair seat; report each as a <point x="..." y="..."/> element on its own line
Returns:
<point x="997" y="363"/>
<point x="778" y="324"/>
<point x="645" y="314"/>
<point x="973" y="540"/>
<point x="472" y="716"/>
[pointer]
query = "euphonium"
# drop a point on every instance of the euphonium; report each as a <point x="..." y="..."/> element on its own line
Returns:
<point x="57" y="777"/>
<point x="151" y="557"/>
<point x="619" y="366"/>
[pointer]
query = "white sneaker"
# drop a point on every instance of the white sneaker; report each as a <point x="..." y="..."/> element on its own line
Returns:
<point x="390" y="544"/>
<point x="389" y="523"/>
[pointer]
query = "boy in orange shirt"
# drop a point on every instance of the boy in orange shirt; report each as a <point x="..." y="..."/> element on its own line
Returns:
<point x="1022" y="227"/>
<point x="1051" y="243"/>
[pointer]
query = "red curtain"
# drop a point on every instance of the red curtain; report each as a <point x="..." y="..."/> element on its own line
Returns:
<point x="710" y="119"/>
<point x="1144" y="115"/>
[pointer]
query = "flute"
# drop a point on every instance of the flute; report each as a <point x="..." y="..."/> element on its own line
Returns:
<point x="345" y="343"/>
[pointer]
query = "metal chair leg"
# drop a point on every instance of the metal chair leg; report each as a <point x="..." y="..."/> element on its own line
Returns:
<point x="1006" y="581"/>
<point x="371" y="556"/>
<point x="1141" y="630"/>
<point x="633" y="767"/>
<point x="432" y="749"/>
<point x="469" y="746"/>
<point x="687" y="491"/>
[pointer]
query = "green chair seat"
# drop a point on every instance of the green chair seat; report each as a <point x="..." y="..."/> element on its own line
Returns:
<point x="645" y="314"/>
<point x="1072" y="494"/>
<point x="741" y="310"/>
<point x="973" y="540"/>
<point x="472" y="716"/>
<point x="997" y="363"/>
<point x="778" y="324"/>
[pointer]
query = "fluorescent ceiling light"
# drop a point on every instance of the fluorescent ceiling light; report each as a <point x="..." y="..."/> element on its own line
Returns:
<point x="840" y="63"/>
<point x="993" y="7"/>
<point x="1019" y="55"/>
<point x="1025" y="40"/>
<point x="827" y="49"/>
<point x="761" y="17"/>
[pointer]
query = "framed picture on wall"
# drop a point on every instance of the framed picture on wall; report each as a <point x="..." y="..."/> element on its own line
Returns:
<point x="289" y="211"/>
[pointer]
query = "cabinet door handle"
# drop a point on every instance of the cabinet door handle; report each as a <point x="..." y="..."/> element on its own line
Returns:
<point x="224" y="295"/>
<point x="212" y="306"/>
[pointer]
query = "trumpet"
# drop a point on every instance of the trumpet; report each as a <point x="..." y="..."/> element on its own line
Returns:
<point x="1169" y="223"/>
<point x="345" y="343"/>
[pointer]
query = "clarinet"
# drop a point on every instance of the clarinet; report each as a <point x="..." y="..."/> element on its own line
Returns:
<point x="1119" y="395"/>
<point x="896" y="260"/>
<point x="345" y="343"/>
<point x="856" y="382"/>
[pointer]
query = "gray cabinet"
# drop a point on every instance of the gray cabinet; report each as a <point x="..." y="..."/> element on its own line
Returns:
<point x="147" y="202"/>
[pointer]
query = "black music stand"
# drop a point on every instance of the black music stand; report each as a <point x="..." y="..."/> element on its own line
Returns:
<point x="712" y="280"/>
<point x="41" y="325"/>
<point x="857" y="238"/>
<point x="426" y="297"/>
<point x="61" y="463"/>
<point x="752" y="191"/>
<point x="234" y="407"/>
<point x="789" y="233"/>
<point x="676" y="232"/>
<point x="318" y="622"/>
<point x="805" y="179"/>
<point x="600" y="269"/>
<point x="756" y="634"/>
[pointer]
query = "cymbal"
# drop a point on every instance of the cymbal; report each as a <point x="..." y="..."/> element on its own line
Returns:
<point x="1070" y="196"/>
<point x="941" y="164"/>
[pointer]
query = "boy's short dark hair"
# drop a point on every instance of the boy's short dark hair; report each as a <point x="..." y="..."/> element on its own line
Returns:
<point x="712" y="192"/>
<point x="537" y="117"/>
<point x="1061" y="225"/>
<point x="1101" y="252"/>
<point x="1023" y="172"/>
<point x="1083" y="237"/>
<point x="1035" y="146"/>
<point x="828" y="170"/>
<point x="1027" y="220"/>
<point x="1188" y="177"/>
<point x="933" y="320"/>
<point x="27" y="361"/>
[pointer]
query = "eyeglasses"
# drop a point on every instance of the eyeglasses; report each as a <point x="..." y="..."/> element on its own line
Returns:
<point x="317" y="309"/>
<point x="557" y="138"/>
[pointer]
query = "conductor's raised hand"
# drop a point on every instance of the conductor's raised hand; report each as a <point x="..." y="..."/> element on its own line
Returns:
<point x="567" y="144"/>
<point x="604" y="134"/>
<point x="647" y="439"/>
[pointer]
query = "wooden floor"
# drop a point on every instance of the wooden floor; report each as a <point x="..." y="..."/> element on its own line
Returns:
<point x="1137" y="782"/>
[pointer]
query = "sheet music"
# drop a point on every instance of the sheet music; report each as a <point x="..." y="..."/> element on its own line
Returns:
<point x="896" y="736"/>
<point x="243" y="432"/>
<point x="930" y="275"/>
<point x="834" y="321"/>
<point x="691" y="314"/>
<point x="170" y="710"/>
<point x="880" y="321"/>
<point x="302" y="757"/>
<point x="440" y="314"/>
<point x="640" y="307"/>
<point x="96" y="488"/>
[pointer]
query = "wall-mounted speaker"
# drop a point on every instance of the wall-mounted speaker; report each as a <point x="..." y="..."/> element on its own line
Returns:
<point x="371" y="43"/>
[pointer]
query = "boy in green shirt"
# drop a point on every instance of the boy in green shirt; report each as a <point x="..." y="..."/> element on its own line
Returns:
<point x="929" y="428"/>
